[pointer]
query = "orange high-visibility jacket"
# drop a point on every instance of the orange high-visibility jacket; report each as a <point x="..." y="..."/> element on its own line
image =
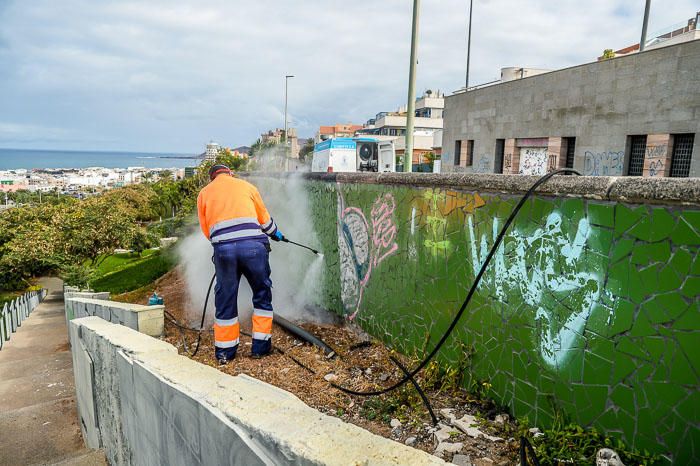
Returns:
<point x="231" y="209"/>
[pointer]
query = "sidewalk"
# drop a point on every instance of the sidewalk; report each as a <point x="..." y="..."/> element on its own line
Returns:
<point x="38" y="417"/>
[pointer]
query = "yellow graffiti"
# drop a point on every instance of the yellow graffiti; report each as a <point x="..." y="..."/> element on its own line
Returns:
<point x="436" y="247"/>
<point x="435" y="206"/>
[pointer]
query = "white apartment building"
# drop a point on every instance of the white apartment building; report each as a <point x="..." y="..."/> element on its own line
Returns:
<point x="429" y="109"/>
<point x="212" y="151"/>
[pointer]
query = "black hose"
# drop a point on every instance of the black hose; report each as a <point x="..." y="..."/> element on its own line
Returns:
<point x="304" y="335"/>
<point x="526" y="451"/>
<point x="472" y="290"/>
<point x="204" y="314"/>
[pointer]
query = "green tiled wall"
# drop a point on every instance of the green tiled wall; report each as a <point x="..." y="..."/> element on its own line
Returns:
<point x="589" y="307"/>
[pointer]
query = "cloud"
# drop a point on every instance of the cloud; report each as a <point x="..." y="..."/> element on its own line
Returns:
<point x="164" y="75"/>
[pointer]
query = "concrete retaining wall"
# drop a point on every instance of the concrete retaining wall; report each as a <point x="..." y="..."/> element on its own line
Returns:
<point x="144" y="319"/>
<point x="72" y="292"/>
<point x="589" y="308"/>
<point x="144" y="405"/>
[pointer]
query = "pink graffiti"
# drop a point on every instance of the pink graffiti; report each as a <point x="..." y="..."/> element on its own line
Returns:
<point x="383" y="229"/>
<point x="366" y="245"/>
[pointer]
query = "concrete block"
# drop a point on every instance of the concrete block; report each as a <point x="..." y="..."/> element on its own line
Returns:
<point x="145" y="319"/>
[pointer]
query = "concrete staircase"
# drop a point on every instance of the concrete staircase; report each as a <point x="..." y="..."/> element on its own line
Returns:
<point x="38" y="417"/>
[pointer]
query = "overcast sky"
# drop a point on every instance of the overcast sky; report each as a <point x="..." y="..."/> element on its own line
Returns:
<point x="169" y="75"/>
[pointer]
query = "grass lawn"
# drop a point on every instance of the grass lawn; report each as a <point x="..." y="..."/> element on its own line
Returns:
<point x="120" y="261"/>
<point x="129" y="273"/>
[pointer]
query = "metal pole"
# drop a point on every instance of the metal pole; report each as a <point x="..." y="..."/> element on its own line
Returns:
<point x="469" y="44"/>
<point x="411" y="110"/>
<point x="642" y="42"/>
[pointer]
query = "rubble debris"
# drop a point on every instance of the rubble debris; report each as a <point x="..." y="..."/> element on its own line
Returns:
<point x="447" y="447"/>
<point x="462" y="460"/>
<point x="467" y="425"/>
<point x="608" y="457"/>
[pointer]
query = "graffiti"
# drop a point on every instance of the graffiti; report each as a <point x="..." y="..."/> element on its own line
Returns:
<point x="603" y="163"/>
<point x="552" y="164"/>
<point x="362" y="246"/>
<point x="383" y="228"/>
<point x="533" y="160"/>
<point x="436" y="206"/>
<point x="507" y="163"/>
<point x="655" y="152"/>
<point x="483" y="165"/>
<point x="657" y="160"/>
<point x="543" y="268"/>
<point x="656" y="168"/>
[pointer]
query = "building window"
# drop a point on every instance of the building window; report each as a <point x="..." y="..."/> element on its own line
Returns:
<point x="682" y="154"/>
<point x="458" y="152"/>
<point x="570" y="149"/>
<point x="500" y="149"/>
<point x="638" y="146"/>
<point x="470" y="152"/>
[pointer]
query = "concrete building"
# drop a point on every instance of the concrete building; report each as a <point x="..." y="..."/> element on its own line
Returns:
<point x="634" y="115"/>
<point x="346" y="130"/>
<point x="276" y="136"/>
<point x="392" y="126"/>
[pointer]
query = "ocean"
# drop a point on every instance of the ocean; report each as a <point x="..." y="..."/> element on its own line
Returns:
<point x="11" y="159"/>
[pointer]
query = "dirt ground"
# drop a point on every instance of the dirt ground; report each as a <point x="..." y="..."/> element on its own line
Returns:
<point x="361" y="363"/>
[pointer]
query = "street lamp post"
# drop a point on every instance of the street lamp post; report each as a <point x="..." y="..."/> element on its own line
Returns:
<point x="643" y="40"/>
<point x="469" y="44"/>
<point x="286" y="82"/>
<point x="411" y="110"/>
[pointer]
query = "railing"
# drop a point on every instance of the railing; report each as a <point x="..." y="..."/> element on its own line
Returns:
<point x="16" y="311"/>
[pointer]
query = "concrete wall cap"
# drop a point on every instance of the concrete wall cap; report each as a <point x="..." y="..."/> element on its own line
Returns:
<point x="685" y="191"/>
<point x="117" y="305"/>
<point x="123" y="337"/>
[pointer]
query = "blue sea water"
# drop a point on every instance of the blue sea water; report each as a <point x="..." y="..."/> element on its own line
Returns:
<point x="11" y="159"/>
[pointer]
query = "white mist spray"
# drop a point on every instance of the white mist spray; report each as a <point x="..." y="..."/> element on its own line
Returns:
<point x="296" y="272"/>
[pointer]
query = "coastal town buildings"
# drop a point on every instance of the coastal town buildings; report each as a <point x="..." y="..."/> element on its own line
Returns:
<point x="80" y="179"/>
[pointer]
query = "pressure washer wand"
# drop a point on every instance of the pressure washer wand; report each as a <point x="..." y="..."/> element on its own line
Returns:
<point x="302" y="246"/>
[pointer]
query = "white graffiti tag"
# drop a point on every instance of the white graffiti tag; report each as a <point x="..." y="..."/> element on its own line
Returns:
<point x="543" y="268"/>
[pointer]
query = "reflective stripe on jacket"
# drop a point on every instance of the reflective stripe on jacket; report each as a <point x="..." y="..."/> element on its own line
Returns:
<point x="231" y="209"/>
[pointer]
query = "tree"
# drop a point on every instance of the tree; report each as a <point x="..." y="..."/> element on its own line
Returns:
<point x="430" y="158"/>
<point x="307" y="148"/>
<point x="608" y="54"/>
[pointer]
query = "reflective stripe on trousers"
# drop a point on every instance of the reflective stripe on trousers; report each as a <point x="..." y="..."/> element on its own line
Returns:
<point x="226" y="333"/>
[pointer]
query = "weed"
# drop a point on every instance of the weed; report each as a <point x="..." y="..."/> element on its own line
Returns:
<point x="566" y="443"/>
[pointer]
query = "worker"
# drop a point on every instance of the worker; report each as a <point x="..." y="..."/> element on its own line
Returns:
<point x="233" y="217"/>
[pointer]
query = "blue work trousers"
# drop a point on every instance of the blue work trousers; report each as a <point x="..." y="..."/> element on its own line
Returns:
<point x="249" y="258"/>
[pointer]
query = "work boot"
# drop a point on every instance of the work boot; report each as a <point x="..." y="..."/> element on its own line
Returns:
<point x="259" y="356"/>
<point x="223" y="361"/>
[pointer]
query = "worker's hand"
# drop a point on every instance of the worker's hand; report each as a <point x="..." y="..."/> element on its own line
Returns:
<point x="278" y="236"/>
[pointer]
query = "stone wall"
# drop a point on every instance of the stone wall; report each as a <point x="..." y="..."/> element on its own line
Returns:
<point x="144" y="404"/>
<point x="589" y="309"/>
<point x="654" y="93"/>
